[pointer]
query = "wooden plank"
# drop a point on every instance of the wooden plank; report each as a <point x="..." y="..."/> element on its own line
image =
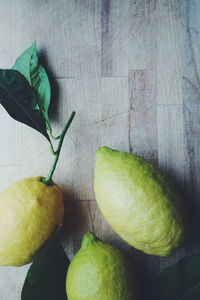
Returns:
<point x="171" y="160"/>
<point x="87" y="38"/>
<point x="168" y="7"/>
<point x="142" y="9"/>
<point x="190" y="47"/>
<point x="52" y="31"/>
<point x="192" y="163"/>
<point x="142" y="48"/>
<point x="143" y="117"/>
<point x="11" y="23"/>
<point x="168" y="56"/>
<point x="114" y="37"/>
<point x="9" y="129"/>
<point x="94" y="100"/>
<point x="170" y="142"/>
<point x="114" y="97"/>
<point x="82" y="95"/>
<point x="68" y="32"/>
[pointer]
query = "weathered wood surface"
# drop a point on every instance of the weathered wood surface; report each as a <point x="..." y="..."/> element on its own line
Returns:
<point x="131" y="71"/>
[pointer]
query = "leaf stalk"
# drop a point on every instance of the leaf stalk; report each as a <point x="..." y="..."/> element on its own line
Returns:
<point x="47" y="180"/>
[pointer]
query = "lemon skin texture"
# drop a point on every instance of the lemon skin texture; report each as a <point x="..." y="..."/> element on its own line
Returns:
<point x="99" y="272"/>
<point x="29" y="212"/>
<point x="138" y="202"/>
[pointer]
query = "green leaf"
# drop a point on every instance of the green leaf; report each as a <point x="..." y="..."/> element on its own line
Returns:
<point x="27" y="64"/>
<point x="181" y="281"/>
<point x="47" y="275"/>
<point x="20" y="100"/>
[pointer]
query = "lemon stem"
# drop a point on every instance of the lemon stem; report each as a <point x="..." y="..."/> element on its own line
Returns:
<point x="47" y="180"/>
<point x="50" y="132"/>
<point x="51" y="148"/>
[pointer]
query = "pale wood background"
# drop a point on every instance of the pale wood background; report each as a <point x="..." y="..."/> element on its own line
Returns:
<point x="131" y="71"/>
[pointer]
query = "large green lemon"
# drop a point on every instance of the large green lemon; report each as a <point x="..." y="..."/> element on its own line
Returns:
<point x="138" y="202"/>
<point x="99" y="272"/>
<point x="30" y="210"/>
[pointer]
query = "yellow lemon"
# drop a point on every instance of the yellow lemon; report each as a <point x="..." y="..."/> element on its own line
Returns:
<point x="99" y="272"/>
<point x="30" y="210"/>
<point x="138" y="202"/>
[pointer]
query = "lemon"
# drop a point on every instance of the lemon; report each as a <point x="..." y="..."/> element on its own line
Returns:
<point x="99" y="272"/>
<point x="30" y="210"/>
<point x="138" y="202"/>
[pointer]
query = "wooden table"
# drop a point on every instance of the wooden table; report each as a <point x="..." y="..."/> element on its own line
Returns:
<point x="131" y="71"/>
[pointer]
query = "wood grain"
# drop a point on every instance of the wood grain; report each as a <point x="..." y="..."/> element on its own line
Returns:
<point x="52" y="29"/>
<point x="131" y="71"/>
<point x="114" y="37"/>
<point x="11" y="23"/>
<point x="143" y="115"/>
<point x="142" y="43"/>
<point x="171" y="141"/>
<point x="168" y="59"/>
<point x="190" y="46"/>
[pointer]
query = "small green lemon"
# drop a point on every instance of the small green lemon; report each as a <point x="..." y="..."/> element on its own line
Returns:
<point x="99" y="272"/>
<point x="30" y="210"/>
<point x="138" y="202"/>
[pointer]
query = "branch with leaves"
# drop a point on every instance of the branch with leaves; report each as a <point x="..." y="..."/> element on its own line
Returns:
<point x="25" y="93"/>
